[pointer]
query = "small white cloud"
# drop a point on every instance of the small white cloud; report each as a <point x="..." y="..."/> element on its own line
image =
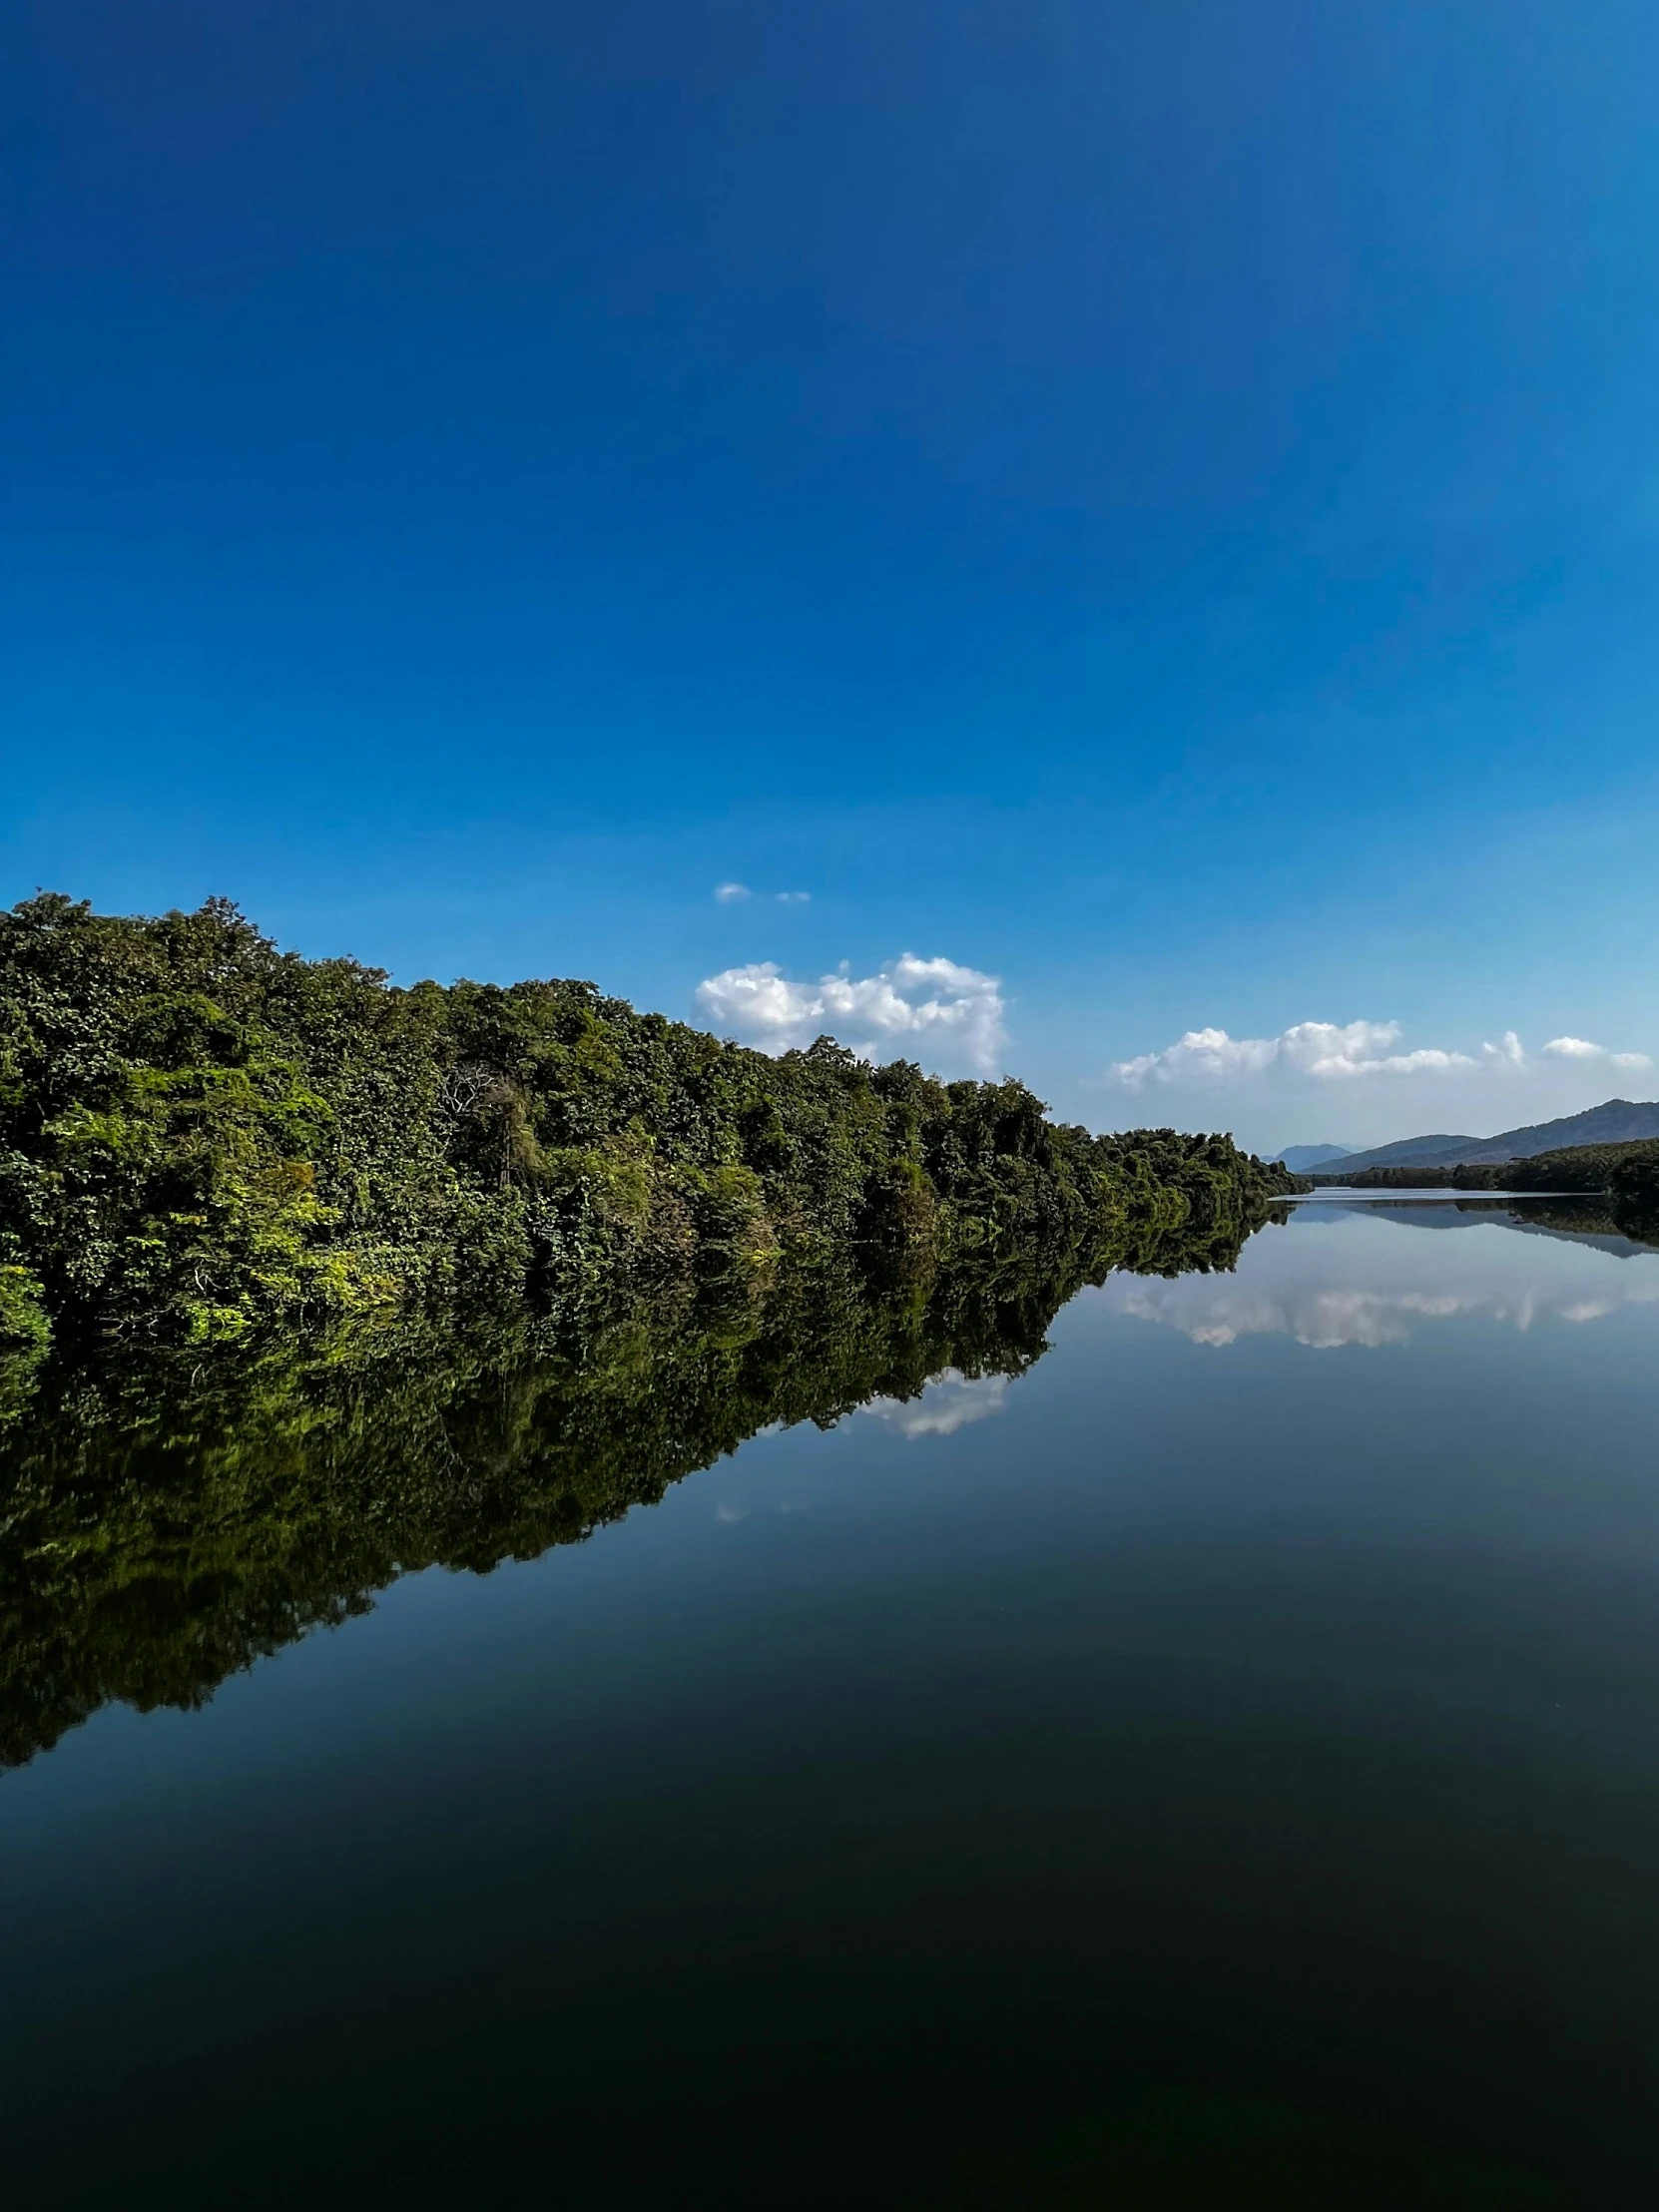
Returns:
<point x="727" y="892"/>
<point x="1329" y="1051"/>
<point x="794" y="898"/>
<point x="731" y="1513"/>
<point x="936" y="1005"/>
<point x="1581" y="1049"/>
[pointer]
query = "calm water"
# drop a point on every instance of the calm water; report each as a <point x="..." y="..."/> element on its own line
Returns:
<point x="1212" y="1762"/>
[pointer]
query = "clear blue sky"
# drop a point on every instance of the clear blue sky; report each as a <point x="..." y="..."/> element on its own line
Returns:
<point x="1154" y="504"/>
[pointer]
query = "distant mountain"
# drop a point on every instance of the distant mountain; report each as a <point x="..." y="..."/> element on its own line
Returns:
<point x="1619" y="1121"/>
<point x="1302" y="1158"/>
<point x="1416" y="1152"/>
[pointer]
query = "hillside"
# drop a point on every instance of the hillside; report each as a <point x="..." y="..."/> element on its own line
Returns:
<point x="1617" y="1121"/>
<point x="1426" y="1152"/>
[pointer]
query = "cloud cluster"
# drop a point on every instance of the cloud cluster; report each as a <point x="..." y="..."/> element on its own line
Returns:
<point x="935" y="1006"/>
<point x="1337" y="1052"/>
<point x="1581" y="1049"/>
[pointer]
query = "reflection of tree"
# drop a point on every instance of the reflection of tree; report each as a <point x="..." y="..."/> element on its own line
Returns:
<point x="1588" y="1217"/>
<point x="167" y="1522"/>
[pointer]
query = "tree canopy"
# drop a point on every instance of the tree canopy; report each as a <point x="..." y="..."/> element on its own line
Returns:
<point x="202" y="1135"/>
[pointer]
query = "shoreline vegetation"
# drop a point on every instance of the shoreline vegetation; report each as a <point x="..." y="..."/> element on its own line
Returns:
<point x="308" y="1282"/>
<point x="1625" y="1175"/>
<point x="312" y="1281"/>
<point x="204" y="1139"/>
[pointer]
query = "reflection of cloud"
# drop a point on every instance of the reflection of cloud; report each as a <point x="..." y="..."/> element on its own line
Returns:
<point x="949" y="1401"/>
<point x="1214" y="1313"/>
<point x="730" y="1512"/>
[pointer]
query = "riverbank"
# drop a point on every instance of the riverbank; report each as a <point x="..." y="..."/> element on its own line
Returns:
<point x="202" y="1137"/>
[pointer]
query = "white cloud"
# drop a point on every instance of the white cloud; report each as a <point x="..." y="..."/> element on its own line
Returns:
<point x="937" y="1006"/>
<point x="1581" y="1049"/>
<point x="1200" y="1054"/>
<point x="1330" y="1051"/>
<point x="730" y="894"/>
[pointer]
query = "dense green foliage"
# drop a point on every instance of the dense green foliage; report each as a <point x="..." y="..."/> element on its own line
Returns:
<point x="1627" y="1172"/>
<point x="201" y="1134"/>
<point x="166" y="1519"/>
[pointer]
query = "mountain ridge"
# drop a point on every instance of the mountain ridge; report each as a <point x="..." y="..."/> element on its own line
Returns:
<point x="1615" y="1121"/>
<point x="1300" y="1159"/>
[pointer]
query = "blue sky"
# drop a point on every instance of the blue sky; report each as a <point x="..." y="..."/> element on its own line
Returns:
<point x="1155" y="506"/>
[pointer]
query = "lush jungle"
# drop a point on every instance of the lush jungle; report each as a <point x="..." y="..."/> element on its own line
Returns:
<point x="202" y="1136"/>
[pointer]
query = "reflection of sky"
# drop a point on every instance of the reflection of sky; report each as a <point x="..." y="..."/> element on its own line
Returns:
<point x="1364" y="1283"/>
<point x="949" y="1401"/>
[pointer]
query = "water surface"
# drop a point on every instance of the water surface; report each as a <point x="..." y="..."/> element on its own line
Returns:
<point x="1214" y="1761"/>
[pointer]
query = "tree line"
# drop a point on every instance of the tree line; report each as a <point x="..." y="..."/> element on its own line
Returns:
<point x="1625" y="1174"/>
<point x="203" y="1136"/>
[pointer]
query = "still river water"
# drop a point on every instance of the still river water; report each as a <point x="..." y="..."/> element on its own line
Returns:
<point x="1214" y="1762"/>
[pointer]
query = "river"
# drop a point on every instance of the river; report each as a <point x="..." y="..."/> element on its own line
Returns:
<point x="1210" y="1761"/>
